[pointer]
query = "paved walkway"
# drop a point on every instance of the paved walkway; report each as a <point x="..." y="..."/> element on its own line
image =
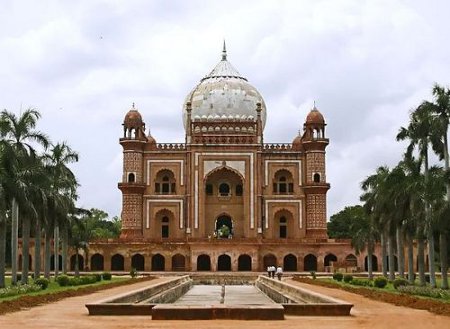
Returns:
<point x="71" y="313"/>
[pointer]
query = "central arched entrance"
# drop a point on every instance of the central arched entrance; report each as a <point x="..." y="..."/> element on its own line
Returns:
<point x="224" y="227"/>
<point x="224" y="263"/>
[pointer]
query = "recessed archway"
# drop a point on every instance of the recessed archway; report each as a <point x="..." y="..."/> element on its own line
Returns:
<point x="290" y="263"/>
<point x="224" y="263"/>
<point x="310" y="263"/>
<point x="374" y="263"/>
<point x="117" y="262"/>
<point x="269" y="260"/>
<point x="97" y="262"/>
<point x="158" y="262"/>
<point x="329" y="260"/>
<point x="178" y="262"/>
<point x="138" y="262"/>
<point x="80" y="262"/>
<point x="244" y="263"/>
<point x="203" y="263"/>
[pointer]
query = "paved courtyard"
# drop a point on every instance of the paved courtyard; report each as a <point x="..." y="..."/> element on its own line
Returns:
<point x="71" y="313"/>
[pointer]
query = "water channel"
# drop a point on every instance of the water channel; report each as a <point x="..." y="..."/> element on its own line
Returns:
<point x="216" y="294"/>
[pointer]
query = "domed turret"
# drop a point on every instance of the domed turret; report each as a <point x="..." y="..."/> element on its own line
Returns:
<point x="314" y="125"/>
<point x="133" y="126"/>
<point x="315" y="117"/>
<point x="224" y="93"/>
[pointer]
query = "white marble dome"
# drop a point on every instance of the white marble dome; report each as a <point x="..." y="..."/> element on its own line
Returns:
<point x="224" y="93"/>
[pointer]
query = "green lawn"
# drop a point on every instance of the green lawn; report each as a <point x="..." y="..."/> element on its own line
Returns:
<point x="53" y="287"/>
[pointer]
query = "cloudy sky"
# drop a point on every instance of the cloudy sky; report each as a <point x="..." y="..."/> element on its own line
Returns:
<point x="83" y="63"/>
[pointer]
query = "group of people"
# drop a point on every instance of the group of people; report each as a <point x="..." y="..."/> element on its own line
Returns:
<point x="272" y="270"/>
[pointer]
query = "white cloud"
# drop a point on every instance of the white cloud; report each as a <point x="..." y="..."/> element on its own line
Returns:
<point x="82" y="64"/>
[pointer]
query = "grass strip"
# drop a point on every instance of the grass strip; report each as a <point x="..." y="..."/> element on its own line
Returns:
<point x="396" y="298"/>
<point x="27" y="301"/>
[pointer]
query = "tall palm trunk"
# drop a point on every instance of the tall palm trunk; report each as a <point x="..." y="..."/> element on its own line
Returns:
<point x="391" y="257"/>
<point x="410" y="260"/>
<point x="77" y="264"/>
<point x="64" y="246"/>
<point x="56" y="249"/>
<point x="383" y="254"/>
<point x="25" y="248"/>
<point x="430" y="236"/>
<point x="444" y="256"/>
<point x="443" y="233"/>
<point x="369" y="258"/>
<point x="421" y="259"/>
<point x="2" y="248"/>
<point x="37" y="249"/>
<point x="48" y="241"/>
<point x="14" y="240"/>
<point x="400" y="253"/>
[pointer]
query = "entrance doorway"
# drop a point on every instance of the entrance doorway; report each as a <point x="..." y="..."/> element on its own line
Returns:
<point x="224" y="263"/>
<point x="224" y="227"/>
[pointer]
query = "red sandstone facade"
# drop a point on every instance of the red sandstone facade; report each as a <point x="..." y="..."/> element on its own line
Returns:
<point x="224" y="200"/>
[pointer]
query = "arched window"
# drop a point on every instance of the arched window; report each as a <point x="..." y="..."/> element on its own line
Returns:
<point x="165" y="182"/>
<point x="131" y="178"/>
<point x="224" y="189"/>
<point x="283" y="227"/>
<point x="165" y="227"/>
<point x="283" y="183"/>
<point x="316" y="178"/>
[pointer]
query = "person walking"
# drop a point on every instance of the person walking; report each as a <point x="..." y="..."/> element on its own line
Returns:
<point x="269" y="269"/>
<point x="279" y="272"/>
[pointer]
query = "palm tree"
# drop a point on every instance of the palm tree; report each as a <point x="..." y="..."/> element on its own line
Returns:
<point x="17" y="134"/>
<point x="376" y="196"/>
<point x="364" y="236"/>
<point x="2" y="222"/>
<point x="420" y="134"/>
<point x="441" y="107"/>
<point x="64" y="186"/>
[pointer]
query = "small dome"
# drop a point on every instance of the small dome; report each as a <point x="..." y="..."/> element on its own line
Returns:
<point x="315" y="117"/>
<point x="133" y="118"/>
<point x="297" y="140"/>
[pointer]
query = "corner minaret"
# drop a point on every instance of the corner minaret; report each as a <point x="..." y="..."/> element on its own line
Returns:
<point x="316" y="186"/>
<point x="132" y="185"/>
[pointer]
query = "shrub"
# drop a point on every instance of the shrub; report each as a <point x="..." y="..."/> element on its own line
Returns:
<point x="313" y="274"/>
<point x="413" y="276"/>
<point x="338" y="276"/>
<point x="427" y="278"/>
<point x="133" y="273"/>
<point x="62" y="280"/>
<point x="106" y="276"/>
<point x="360" y="282"/>
<point x="380" y="282"/>
<point x="42" y="282"/>
<point x="74" y="281"/>
<point x="400" y="282"/>
<point x="348" y="278"/>
<point x="98" y="277"/>
<point x="19" y="289"/>
<point x="425" y="291"/>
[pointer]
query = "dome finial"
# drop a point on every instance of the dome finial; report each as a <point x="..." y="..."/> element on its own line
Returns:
<point x="133" y="105"/>
<point x="224" y="51"/>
